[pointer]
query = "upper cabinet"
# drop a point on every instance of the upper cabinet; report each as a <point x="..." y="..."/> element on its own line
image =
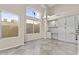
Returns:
<point x="52" y="23"/>
<point x="70" y="21"/>
<point x="61" y="22"/>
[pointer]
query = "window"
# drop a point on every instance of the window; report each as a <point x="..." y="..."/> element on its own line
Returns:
<point x="9" y="24"/>
<point x="33" y="25"/>
<point x="29" y="26"/>
<point x="36" y="27"/>
<point x="33" y="13"/>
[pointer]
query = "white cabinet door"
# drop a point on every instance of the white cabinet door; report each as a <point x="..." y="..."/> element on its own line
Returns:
<point x="61" y="28"/>
<point x="70" y="21"/>
<point x="61" y="33"/>
<point x="70" y="29"/>
<point x="61" y="36"/>
<point x="70" y="37"/>
<point x="66" y="28"/>
<point x="61" y="22"/>
<point x="77" y="22"/>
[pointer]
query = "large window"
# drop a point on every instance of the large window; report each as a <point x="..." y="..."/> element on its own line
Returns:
<point x="33" y="13"/>
<point x="8" y="24"/>
<point x="29" y="26"/>
<point x="33" y="25"/>
<point x="36" y="27"/>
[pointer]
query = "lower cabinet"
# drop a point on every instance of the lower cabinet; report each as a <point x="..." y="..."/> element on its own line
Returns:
<point x="70" y="38"/>
<point x="54" y="35"/>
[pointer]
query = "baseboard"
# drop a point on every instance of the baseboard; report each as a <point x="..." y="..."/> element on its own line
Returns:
<point x="15" y="47"/>
<point x="33" y="40"/>
<point x="65" y="41"/>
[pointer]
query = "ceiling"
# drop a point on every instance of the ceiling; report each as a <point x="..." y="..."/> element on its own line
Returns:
<point x="47" y="5"/>
<point x="50" y="5"/>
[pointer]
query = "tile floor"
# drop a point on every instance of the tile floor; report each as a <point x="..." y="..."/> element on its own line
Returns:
<point x="43" y="47"/>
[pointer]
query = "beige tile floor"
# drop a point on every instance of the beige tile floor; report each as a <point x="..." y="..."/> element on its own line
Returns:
<point x="43" y="47"/>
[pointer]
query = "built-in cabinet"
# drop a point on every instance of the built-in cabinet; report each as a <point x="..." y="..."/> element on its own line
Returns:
<point x="61" y="29"/>
<point x="52" y="27"/>
<point x="65" y="28"/>
<point x="70" y="29"/>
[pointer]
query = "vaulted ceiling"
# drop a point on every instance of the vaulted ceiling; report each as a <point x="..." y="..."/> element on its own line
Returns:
<point x="48" y="7"/>
<point x="51" y="5"/>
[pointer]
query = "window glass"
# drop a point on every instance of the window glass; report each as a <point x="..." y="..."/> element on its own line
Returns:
<point x="9" y="24"/>
<point x="36" y="27"/>
<point x="33" y="25"/>
<point x="29" y="26"/>
<point x="33" y="13"/>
